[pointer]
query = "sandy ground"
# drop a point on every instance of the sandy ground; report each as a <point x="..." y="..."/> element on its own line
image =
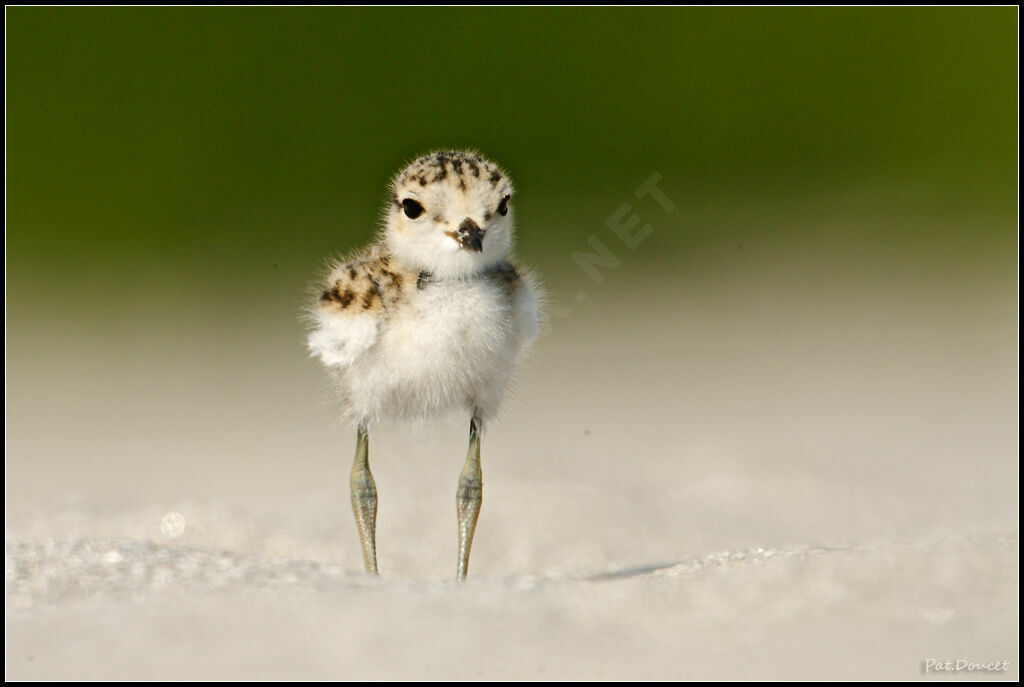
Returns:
<point x="767" y="481"/>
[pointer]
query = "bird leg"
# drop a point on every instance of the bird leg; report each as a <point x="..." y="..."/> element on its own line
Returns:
<point x="364" y="499"/>
<point x="469" y="495"/>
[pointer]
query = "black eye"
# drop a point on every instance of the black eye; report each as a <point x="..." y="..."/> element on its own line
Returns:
<point x="503" y="206"/>
<point x="412" y="208"/>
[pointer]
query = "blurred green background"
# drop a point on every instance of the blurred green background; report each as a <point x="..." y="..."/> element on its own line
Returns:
<point x="844" y="182"/>
<point x="233" y="148"/>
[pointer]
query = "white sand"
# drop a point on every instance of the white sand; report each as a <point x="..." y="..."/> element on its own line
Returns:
<point x="751" y="484"/>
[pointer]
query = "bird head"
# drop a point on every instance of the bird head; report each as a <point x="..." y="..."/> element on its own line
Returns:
<point x="450" y="214"/>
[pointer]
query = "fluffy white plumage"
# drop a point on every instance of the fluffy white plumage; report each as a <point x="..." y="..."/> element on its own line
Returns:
<point x="434" y="316"/>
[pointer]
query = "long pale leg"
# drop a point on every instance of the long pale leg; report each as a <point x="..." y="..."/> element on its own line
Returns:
<point x="469" y="495"/>
<point x="364" y="499"/>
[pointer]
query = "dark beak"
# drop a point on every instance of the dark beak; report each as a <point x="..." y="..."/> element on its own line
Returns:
<point x="470" y="236"/>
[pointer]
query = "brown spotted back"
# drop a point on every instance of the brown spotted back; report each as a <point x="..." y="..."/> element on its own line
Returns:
<point x="366" y="283"/>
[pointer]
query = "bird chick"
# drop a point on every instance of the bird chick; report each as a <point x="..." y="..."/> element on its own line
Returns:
<point x="434" y="316"/>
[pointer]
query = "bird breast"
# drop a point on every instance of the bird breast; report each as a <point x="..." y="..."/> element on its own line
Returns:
<point x="450" y="329"/>
<point x="448" y="344"/>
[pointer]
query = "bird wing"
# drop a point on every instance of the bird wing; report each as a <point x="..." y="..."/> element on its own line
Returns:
<point x="349" y="311"/>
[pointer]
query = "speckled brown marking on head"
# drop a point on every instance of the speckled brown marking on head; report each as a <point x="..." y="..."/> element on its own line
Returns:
<point x="460" y="172"/>
<point x="423" y="279"/>
<point x="461" y="167"/>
